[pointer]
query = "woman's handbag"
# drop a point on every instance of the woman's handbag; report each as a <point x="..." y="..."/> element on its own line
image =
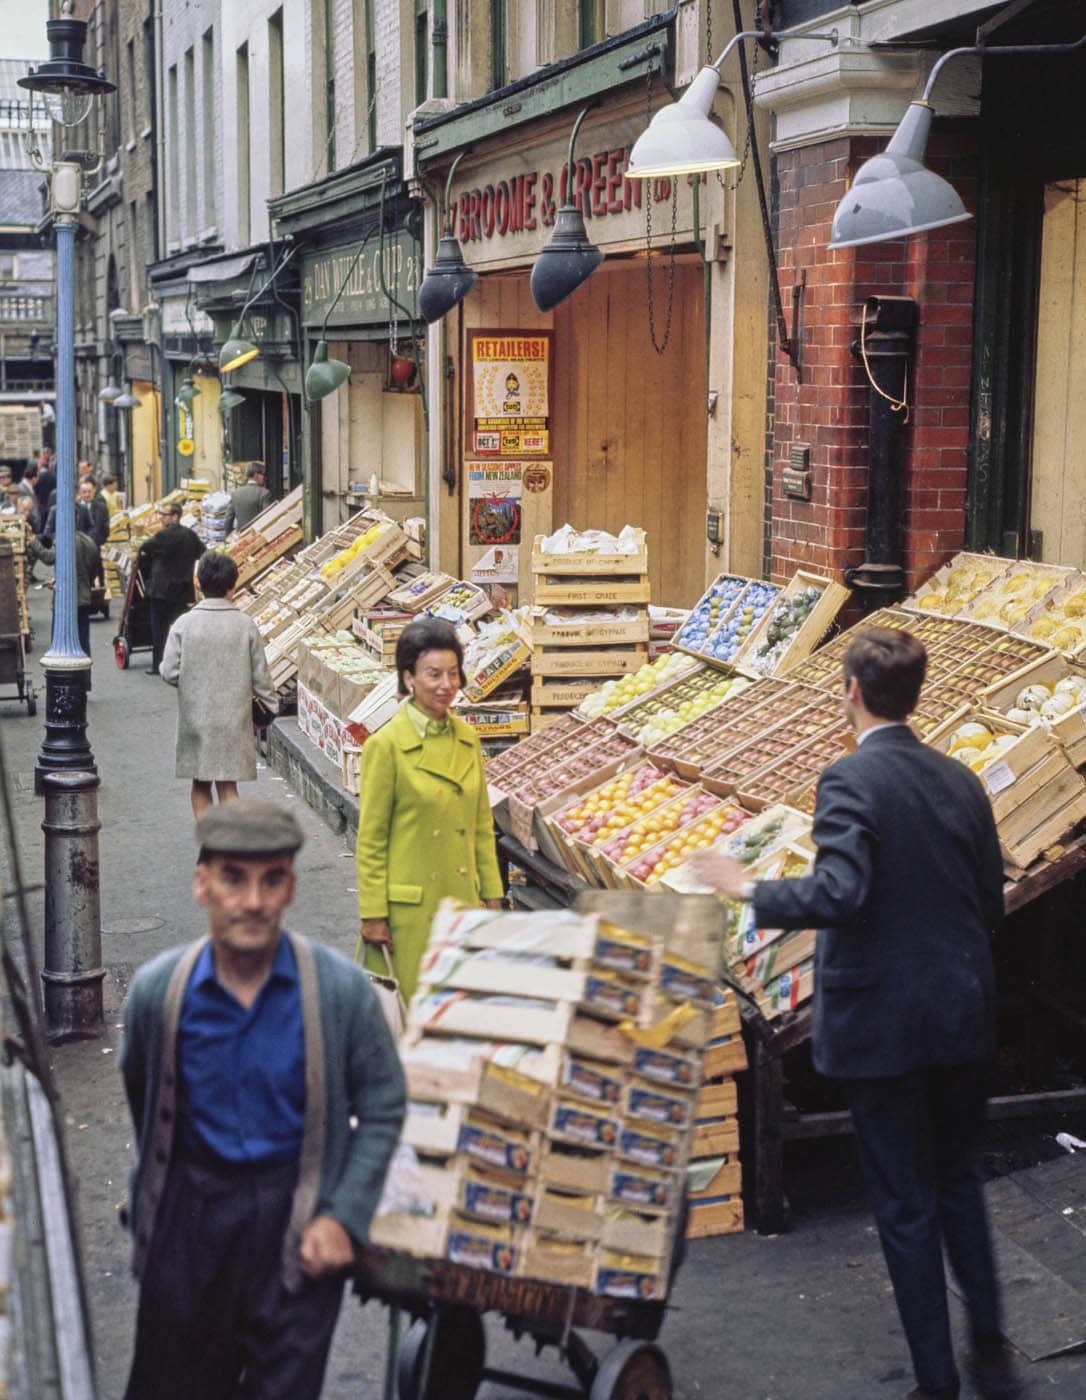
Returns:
<point x="388" y="994"/>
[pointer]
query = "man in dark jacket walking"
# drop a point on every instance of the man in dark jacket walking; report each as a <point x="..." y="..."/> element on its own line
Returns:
<point x="906" y="892"/>
<point x="249" y="500"/>
<point x="167" y="561"/>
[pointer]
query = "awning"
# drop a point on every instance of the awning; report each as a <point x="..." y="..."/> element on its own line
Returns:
<point x="225" y="270"/>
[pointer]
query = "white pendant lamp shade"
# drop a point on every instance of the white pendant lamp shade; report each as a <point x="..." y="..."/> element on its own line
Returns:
<point x="893" y="194"/>
<point x="681" y="139"/>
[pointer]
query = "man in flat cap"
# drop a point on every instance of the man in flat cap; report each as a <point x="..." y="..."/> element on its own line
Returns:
<point x="267" y="1097"/>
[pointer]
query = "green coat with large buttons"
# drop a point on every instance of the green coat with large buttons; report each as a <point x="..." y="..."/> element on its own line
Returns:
<point x="424" y="834"/>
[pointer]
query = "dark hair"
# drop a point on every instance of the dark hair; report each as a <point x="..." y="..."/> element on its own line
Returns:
<point x="256" y="469"/>
<point x="170" y="508"/>
<point x="109" y="480"/>
<point x="428" y="634"/>
<point x="217" y="573"/>
<point x="889" y="667"/>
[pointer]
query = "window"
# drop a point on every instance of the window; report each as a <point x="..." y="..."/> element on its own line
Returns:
<point x="365" y="78"/>
<point x="276" y="112"/>
<point x="590" y="15"/>
<point x="207" y="75"/>
<point x="498" y="40"/>
<point x="323" y="86"/>
<point x="132" y="124"/>
<point x="242" y="126"/>
<point x="190" y="145"/>
<point x="422" y="51"/>
<point x="136" y="255"/>
<point x="173" y="193"/>
<point x="9" y="267"/>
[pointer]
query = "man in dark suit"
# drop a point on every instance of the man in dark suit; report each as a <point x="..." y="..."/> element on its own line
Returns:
<point x="249" y="500"/>
<point x="906" y="890"/>
<point x="167" y="561"/>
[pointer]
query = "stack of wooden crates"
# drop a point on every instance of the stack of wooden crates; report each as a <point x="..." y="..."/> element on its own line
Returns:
<point x="573" y="652"/>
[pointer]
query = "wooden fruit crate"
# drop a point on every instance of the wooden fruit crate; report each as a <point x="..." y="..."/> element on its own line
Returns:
<point x="567" y="694"/>
<point x="1069" y="729"/>
<point x="814" y="627"/>
<point x="592" y="592"/>
<point x="419" y="592"/>
<point x="602" y="661"/>
<point x="585" y="633"/>
<point x="588" y="562"/>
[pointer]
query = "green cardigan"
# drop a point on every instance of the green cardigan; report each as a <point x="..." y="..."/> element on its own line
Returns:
<point x="424" y="834"/>
<point x="352" y="1071"/>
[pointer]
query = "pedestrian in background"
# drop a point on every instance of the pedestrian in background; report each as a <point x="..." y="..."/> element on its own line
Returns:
<point x="45" y="484"/>
<point x="906" y="892"/>
<point x="167" y="560"/>
<point x="113" y="498"/>
<point x="97" y="509"/>
<point x="215" y="656"/>
<point x="88" y="576"/>
<point x="267" y="1099"/>
<point x="249" y="500"/>
<point x="424" y="831"/>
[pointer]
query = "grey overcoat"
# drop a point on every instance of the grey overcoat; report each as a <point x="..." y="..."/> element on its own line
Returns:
<point x="215" y="656"/>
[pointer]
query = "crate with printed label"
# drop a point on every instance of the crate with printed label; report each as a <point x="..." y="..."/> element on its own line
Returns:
<point x="1038" y="797"/>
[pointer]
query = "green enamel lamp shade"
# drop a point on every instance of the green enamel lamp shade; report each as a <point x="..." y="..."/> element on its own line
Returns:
<point x="187" y="392"/>
<point x="324" y="376"/>
<point x="237" y="351"/>
<point x="230" y="399"/>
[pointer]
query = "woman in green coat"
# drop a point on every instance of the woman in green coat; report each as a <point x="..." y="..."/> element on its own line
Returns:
<point x="424" y="830"/>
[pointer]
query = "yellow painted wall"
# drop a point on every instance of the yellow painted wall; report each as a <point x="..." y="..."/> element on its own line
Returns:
<point x="144" y="443"/>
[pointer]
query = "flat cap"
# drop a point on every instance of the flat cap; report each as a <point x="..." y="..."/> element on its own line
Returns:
<point x="248" y="827"/>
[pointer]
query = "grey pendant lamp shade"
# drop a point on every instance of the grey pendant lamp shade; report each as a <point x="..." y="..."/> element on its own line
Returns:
<point x="187" y="392"/>
<point x="230" y="399"/>
<point x="893" y="194"/>
<point x="127" y="400"/>
<point x="447" y="283"/>
<point x="324" y="376"/>
<point x="681" y="138"/>
<point x="569" y="259"/>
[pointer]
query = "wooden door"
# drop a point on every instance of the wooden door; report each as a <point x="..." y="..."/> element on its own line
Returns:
<point x="630" y="423"/>
<point x="1057" y="494"/>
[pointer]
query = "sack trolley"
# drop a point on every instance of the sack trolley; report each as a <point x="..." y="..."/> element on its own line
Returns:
<point x="134" y="627"/>
<point x="13" y="641"/>
<point x="442" y="1354"/>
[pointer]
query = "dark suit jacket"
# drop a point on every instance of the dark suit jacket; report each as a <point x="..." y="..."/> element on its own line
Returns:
<point x="169" y="558"/>
<point x="905" y="892"/>
<point x="246" y="504"/>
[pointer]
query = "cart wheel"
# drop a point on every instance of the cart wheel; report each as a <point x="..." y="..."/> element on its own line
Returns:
<point x="31" y="702"/>
<point x="633" y="1371"/>
<point x="456" y="1365"/>
<point x="121" y="653"/>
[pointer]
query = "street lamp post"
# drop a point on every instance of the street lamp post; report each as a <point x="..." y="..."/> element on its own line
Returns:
<point x="68" y="87"/>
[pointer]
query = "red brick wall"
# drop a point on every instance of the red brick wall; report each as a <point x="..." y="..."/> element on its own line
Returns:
<point x="828" y="410"/>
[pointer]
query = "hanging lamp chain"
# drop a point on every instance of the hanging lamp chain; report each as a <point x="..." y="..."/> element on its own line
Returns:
<point x="657" y="345"/>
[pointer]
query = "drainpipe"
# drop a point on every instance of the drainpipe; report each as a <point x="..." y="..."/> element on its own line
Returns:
<point x="440" y="46"/>
<point x="886" y="345"/>
<point x="159" y="172"/>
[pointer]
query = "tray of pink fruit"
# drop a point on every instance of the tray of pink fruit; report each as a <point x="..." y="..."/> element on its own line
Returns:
<point x="654" y="863"/>
<point x="649" y="831"/>
<point x="592" y="820"/>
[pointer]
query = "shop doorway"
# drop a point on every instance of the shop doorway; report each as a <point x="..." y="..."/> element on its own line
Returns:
<point x="266" y="428"/>
<point x="628" y="424"/>
<point x="1057" y="500"/>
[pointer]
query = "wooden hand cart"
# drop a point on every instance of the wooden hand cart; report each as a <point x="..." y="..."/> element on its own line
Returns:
<point x="442" y="1355"/>
<point x="13" y="640"/>
<point x="134" y="628"/>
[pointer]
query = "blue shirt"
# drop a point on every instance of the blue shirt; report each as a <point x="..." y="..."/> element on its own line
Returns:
<point x="243" y="1071"/>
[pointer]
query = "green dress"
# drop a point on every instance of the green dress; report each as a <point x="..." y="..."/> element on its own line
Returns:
<point x="424" y="832"/>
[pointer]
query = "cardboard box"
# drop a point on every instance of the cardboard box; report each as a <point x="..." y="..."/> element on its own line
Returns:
<point x="583" y="1124"/>
<point x="645" y="1102"/>
<point x="644" y="1189"/>
<point x="504" y="1094"/>
<point x="630" y="1276"/>
<point x="459" y="1184"/>
<point x="457" y="1130"/>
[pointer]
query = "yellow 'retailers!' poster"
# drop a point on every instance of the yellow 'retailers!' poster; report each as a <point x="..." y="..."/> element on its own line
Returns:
<point x="510" y="393"/>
